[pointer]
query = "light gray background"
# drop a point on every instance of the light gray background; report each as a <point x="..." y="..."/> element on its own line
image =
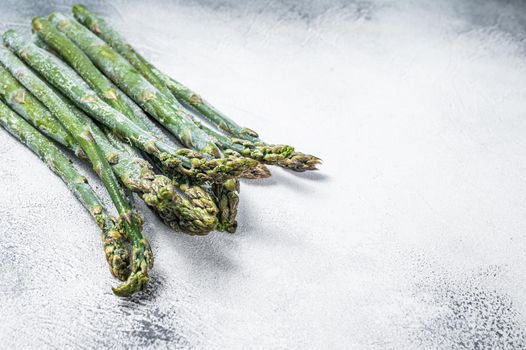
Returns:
<point x="411" y="236"/>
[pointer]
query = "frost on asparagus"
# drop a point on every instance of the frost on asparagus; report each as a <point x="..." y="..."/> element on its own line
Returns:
<point x="161" y="192"/>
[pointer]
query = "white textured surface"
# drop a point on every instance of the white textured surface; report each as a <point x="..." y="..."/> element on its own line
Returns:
<point x="411" y="235"/>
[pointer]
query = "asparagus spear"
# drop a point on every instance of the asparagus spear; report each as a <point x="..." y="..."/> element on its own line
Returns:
<point x="184" y="161"/>
<point x="194" y="214"/>
<point x="121" y="71"/>
<point x="142" y="257"/>
<point x="182" y="207"/>
<point x="281" y="155"/>
<point x="112" y="238"/>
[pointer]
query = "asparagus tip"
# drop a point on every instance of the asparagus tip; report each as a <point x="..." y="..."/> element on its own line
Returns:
<point x="216" y="170"/>
<point x="300" y="162"/>
<point x="36" y="24"/>
<point x="136" y="282"/>
<point x="198" y="211"/>
<point x="116" y="254"/>
<point x="8" y="34"/>
<point x="228" y="196"/>
<point x="195" y="214"/>
<point x="259" y="172"/>
<point x="231" y="167"/>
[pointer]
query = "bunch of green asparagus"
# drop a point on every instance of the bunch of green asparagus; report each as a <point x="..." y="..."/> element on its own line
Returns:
<point x="77" y="83"/>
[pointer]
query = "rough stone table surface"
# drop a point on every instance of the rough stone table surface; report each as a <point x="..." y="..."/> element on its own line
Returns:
<point x="412" y="235"/>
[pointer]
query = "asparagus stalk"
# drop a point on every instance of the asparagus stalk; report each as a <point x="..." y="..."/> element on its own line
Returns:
<point x="194" y="214"/>
<point x="112" y="239"/>
<point x="142" y="257"/>
<point x="55" y="41"/>
<point x="184" y="161"/>
<point x="99" y="26"/>
<point x="281" y="155"/>
<point x="182" y="207"/>
<point x="122" y="73"/>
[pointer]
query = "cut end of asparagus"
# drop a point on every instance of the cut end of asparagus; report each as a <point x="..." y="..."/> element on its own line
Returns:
<point x="195" y="215"/>
<point x="116" y="254"/>
<point x="300" y="162"/>
<point x="136" y="282"/>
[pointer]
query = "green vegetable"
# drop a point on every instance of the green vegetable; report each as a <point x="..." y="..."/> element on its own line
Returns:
<point x="183" y="161"/>
<point x="142" y="257"/>
<point x="203" y="204"/>
<point x="99" y="26"/>
<point x="268" y="154"/>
